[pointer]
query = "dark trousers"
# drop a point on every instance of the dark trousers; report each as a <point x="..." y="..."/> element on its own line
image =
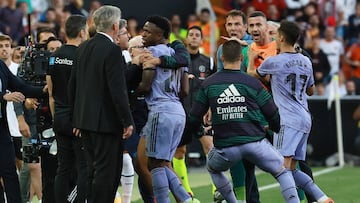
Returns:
<point x="104" y="158"/>
<point x="48" y="173"/>
<point x="71" y="169"/>
<point x="7" y="165"/>
<point x="251" y="187"/>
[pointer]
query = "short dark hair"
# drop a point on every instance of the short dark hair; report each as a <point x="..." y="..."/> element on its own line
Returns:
<point x="43" y="30"/>
<point x="231" y="51"/>
<point x="235" y="12"/>
<point x="290" y="31"/>
<point x="162" y="23"/>
<point x="53" y="39"/>
<point x="204" y="10"/>
<point x="74" y="24"/>
<point x="257" y="14"/>
<point x="195" y="27"/>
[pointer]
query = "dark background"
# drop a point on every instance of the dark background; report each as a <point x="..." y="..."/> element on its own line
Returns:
<point x="143" y="8"/>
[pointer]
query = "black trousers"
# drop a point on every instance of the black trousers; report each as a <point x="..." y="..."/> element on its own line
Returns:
<point x="48" y="172"/>
<point x="71" y="169"/>
<point x="251" y="187"/>
<point x="104" y="158"/>
<point x="7" y="165"/>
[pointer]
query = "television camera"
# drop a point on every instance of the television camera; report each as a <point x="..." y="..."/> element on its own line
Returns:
<point x="34" y="64"/>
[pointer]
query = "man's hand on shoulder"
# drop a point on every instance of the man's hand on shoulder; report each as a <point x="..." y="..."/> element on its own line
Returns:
<point x="14" y="96"/>
<point x="242" y="42"/>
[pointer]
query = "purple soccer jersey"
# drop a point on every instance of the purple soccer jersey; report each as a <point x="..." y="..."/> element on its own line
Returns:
<point x="291" y="74"/>
<point x="164" y="95"/>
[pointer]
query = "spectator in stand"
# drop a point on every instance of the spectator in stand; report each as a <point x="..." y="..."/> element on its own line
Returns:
<point x="49" y="21"/>
<point x="261" y="5"/>
<point x="242" y="5"/>
<point x="205" y="24"/>
<point x="313" y="31"/>
<point x="94" y="5"/>
<point x="293" y="6"/>
<point x="76" y="7"/>
<point x="59" y="6"/>
<point x="348" y="9"/>
<point x="309" y="10"/>
<point x="333" y="48"/>
<point x="177" y="33"/>
<point x="350" y="87"/>
<point x="133" y="26"/>
<point x="354" y="25"/>
<point x="11" y="21"/>
<point x="352" y="58"/>
<point x="273" y="13"/>
<point x="192" y="18"/>
<point x="320" y="62"/>
<point x="24" y="7"/>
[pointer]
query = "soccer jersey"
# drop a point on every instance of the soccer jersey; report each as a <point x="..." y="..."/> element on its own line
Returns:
<point x="291" y="74"/>
<point x="265" y="52"/>
<point x="164" y="95"/>
<point x="237" y="102"/>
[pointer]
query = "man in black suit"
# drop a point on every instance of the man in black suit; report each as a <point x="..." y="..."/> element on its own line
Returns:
<point x="7" y="154"/>
<point x="97" y="91"/>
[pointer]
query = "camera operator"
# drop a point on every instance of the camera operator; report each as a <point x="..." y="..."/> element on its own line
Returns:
<point x="70" y="154"/>
<point x="7" y="155"/>
<point x="35" y="119"/>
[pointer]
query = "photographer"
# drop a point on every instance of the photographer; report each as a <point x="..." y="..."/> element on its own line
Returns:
<point x="70" y="154"/>
<point x="34" y="117"/>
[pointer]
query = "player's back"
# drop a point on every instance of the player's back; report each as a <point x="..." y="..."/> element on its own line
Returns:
<point x="292" y="74"/>
<point x="164" y="95"/>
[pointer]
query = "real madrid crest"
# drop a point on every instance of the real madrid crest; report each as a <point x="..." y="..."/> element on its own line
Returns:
<point x="202" y="70"/>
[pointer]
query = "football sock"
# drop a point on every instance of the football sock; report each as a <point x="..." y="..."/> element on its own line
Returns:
<point x="307" y="184"/>
<point x="213" y="188"/>
<point x="287" y="186"/>
<point x="223" y="186"/>
<point x="181" y="170"/>
<point x="175" y="185"/>
<point x="160" y="184"/>
<point x="127" y="178"/>
<point x="237" y="172"/>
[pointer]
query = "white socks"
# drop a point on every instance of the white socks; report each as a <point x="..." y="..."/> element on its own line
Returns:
<point x="127" y="178"/>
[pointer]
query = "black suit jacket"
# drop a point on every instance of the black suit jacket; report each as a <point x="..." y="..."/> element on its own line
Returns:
<point x="97" y="88"/>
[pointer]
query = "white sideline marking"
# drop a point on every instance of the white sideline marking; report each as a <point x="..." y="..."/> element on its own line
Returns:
<point x="317" y="173"/>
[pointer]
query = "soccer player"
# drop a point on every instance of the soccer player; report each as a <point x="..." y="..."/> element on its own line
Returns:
<point x="166" y="118"/>
<point x="291" y="78"/>
<point x="236" y="25"/>
<point x="236" y="101"/>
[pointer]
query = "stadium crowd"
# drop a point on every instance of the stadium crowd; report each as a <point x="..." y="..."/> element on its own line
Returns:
<point x="329" y="33"/>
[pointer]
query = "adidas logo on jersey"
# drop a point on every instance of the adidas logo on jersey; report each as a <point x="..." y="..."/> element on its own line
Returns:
<point x="230" y="95"/>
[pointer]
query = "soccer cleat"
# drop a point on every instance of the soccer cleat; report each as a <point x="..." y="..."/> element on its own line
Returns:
<point x="194" y="200"/>
<point x="218" y="198"/>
